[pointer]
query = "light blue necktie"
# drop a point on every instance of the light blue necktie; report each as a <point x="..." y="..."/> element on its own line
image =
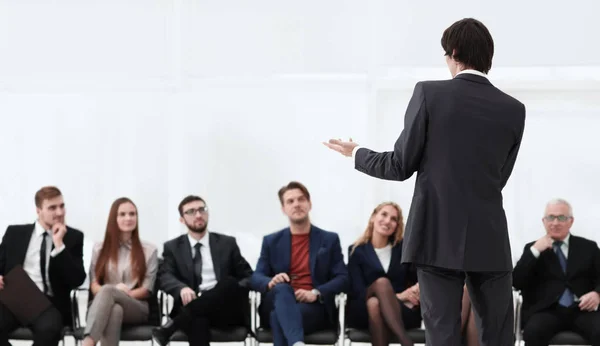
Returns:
<point x="566" y="299"/>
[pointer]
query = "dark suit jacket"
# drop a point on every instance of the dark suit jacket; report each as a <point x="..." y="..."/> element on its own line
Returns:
<point x="327" y="268"/>
<point x="65" y="270"/>
<point x="177" y="272"/>
<point x="462" y="137"/>
<point x="364" y="268"/>
<point x="542" y="281"/>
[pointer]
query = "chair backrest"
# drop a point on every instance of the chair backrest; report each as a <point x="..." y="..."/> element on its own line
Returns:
<point x="155" y="313"/>
<point x="247" y="311"/>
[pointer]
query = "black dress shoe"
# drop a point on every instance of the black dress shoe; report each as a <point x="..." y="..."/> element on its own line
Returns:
<point x="162" y="335"/>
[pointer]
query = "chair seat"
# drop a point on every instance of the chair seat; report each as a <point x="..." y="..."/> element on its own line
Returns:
<point x="24" y="333"/>
<point x="233" y="334"/>
<point x="128" y="333"/>
<point x="21" y="334"/>
<point x="568" y="338"/>
<point x="324" y="337"/>
<point x="363" y="335"/>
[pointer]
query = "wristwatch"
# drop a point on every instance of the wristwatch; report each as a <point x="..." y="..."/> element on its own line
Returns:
<point x="316" y="293"/>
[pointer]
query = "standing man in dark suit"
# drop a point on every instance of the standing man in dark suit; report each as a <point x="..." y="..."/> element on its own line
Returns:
<point x="461" y="136"/>
<point x="206" y="274"/>
<point x="559" y="278"/>
<point x="300" y="270"/>
<point x="51" y="253"/>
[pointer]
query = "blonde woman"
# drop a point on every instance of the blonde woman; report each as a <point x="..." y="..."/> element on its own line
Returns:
<point x="384" y="293"/>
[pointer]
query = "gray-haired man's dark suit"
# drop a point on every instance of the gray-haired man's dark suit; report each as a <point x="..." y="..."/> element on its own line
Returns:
<point x="461" y="137"/>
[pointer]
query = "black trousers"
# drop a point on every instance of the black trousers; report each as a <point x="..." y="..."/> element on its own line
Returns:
<point x="225" y="305"/>
<point x="46" y="328"/>
<point x="540" y="327"/>
<point x="441" y="301"/>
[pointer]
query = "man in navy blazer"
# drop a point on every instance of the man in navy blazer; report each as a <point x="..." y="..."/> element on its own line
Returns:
<point x="300" y="270"/>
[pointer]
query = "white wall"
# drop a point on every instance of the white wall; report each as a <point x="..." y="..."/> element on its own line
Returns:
<point x="155" y="100"/>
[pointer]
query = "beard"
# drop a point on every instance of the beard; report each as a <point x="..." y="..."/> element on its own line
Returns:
<point x="299" y="221"/>
<point x="197" y="229"/>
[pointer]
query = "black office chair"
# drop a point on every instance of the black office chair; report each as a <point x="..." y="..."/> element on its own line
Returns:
<point x="561" y="338"/>
<point x="230" y="334"/>
<point x="329" y="336"/>
<point x="417" y="335"/>
<point x="138" y="332"/>
<point x="24" y="333"/>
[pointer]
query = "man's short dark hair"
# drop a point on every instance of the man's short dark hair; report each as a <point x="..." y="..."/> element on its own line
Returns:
<point x="471" y="42"/>
<point x="46" y="192"/>
<point x="291" y="186"/>
<point x="188" y="199"/>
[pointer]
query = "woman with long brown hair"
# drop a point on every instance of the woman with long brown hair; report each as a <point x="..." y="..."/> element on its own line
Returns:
<point x="122" y="276"/>
<point x="384" y="293"/>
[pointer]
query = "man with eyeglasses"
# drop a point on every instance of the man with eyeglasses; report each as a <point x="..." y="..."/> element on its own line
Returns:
<point x="206" y="275"/>
<point x="559" y="278"/>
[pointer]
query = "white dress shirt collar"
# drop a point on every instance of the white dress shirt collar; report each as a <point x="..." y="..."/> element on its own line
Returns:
<point x="475" y="72"/>
<point x="203" y="240"/>
<point x="566" y="240"/>
<point x="39" y="230"/>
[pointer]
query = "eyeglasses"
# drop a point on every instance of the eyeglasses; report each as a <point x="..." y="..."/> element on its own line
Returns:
<point x="561" y="218"/>
<point x="192" y="212"/>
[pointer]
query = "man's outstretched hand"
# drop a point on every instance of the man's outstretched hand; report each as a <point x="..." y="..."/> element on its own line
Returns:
<point x="344" y="148"/>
